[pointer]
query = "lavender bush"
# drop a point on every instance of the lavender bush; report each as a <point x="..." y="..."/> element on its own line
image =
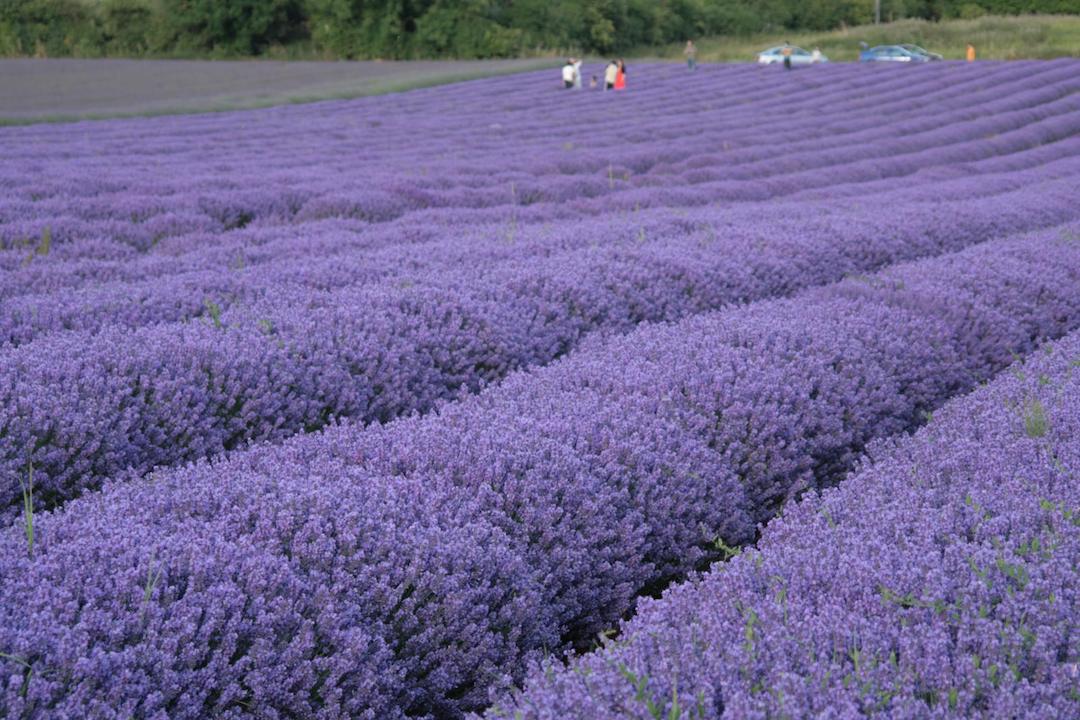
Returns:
<point x="937" y="581"/>
<point x="410" y="569"/>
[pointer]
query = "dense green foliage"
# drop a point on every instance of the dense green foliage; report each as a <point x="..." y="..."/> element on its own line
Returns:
<point x="435" y="28"/>
<point x="242" y="27"/>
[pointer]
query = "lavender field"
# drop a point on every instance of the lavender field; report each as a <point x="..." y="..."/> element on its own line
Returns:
<point x="499" y="400"/>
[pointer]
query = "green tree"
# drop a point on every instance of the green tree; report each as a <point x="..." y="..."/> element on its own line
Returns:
<point x="49" y="28"/>
<point x="127" y="27"/>
<point x="465" y="29"/>
<point x="362" y="28"/>
<point x="400" y="29"/>
<point x="244" y="27"/>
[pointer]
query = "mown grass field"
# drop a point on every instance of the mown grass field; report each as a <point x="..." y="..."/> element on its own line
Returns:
<point x="64" y="89"/>
<point x="1033" y="37"/>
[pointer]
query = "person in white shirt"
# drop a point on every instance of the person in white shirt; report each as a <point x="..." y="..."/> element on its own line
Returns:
<point x="568" y="73"/>
<point x="610" y="73"/>
<point x="577" y="74"/>
<point x="815" y="56"/>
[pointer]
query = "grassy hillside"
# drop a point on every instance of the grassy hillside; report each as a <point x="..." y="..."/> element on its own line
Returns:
<point x="995" y="38"/>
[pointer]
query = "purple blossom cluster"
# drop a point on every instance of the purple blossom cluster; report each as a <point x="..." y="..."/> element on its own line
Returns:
<point x="939" y="580"/>
<point x="411" y="569"/>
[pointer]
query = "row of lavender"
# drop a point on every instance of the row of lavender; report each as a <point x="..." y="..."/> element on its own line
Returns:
<point x="270" y="199"/>
<point x="198" y="295"/>
<point x="167" y="288"/>
<point x="170" y="289"/>
<point x="81" y="407"/>
<point x="455" y="112"/>
<point x="128" y="204"/>
<point x="1025" y="140"/>
<point x="940" y="580"/>
<point x="408" y="570"/>
<point x="294" y="253"/>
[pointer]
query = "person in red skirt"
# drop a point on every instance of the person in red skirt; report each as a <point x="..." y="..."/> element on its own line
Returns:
<point x="620" y="76"/>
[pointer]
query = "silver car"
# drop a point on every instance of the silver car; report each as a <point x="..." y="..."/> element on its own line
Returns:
<point x="921" y="51"/>
<point x="799" y="56"/>
<point x="892" y="53"/>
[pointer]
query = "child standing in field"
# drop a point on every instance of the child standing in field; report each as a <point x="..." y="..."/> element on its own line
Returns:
<point x="786" y="53"/>
<point x="620" y="76"/>
<point x="970" y="53"/>
<point x="690" y="51"/>
<point x="611" y="73"/>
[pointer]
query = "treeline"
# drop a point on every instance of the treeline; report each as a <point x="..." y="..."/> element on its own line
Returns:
<point x="403" y="29"/>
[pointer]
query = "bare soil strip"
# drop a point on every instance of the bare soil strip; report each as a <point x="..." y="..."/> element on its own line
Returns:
<point x="69" y="89"/>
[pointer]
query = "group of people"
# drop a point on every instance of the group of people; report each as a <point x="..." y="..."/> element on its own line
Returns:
<point x="614" y="72"/>
<point x="614" y="75"/>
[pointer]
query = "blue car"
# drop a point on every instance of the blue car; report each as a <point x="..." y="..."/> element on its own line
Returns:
<point x="892" y="53"/>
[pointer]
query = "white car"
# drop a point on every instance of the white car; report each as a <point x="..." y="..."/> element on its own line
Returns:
<point x="798" y="56"/>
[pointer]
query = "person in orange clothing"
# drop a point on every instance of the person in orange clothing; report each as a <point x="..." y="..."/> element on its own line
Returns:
<point x="970" y="53"/>
<point x="620" y="76"/>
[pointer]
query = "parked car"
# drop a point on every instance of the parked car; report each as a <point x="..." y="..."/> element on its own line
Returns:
<point x="799" y="56"/>
<point x="892" y="53"/>
<point x="922" y="51"/>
